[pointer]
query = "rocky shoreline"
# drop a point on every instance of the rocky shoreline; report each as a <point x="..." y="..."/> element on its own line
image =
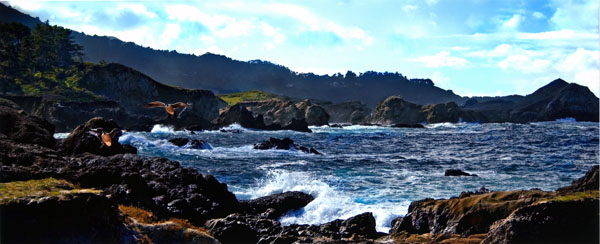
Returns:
<point x="189" y="207"/>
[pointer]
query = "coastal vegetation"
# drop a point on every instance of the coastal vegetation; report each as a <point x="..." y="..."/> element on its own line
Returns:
<point x="252" y="95"/>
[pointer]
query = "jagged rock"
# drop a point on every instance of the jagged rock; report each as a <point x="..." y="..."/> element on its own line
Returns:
<point x="442" y="112"/>
<point x="357" y="228"/>
<point x="457" y="172"/>
<point x="574" y="221"/>
<point x="589" y="182"/>
<point x="313" y="114"/>
<point x="274" y="206"/>
<point x="283" y="144"/>
<point x="238" y="228"/>
<point x="17" y="125"/>
<point x="83" y="139"/>
<point x="354" y="112"/>
<point x="194" y="143"/>
<point x="468" y="215"/>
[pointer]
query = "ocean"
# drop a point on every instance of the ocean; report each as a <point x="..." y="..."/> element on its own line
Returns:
<point x="382" y="169"/>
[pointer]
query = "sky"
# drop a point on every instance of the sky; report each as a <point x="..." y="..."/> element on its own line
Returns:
<point x="473" y="47"/>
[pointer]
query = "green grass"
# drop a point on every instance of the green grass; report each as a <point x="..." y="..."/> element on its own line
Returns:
<point x="49" y="187"/>
<point x="252" y="95"/>
<point x="576" y="196"/>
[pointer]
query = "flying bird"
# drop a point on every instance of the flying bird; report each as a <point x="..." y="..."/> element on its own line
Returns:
<point x="107" y="139"/>
<point x="170" y="108"/>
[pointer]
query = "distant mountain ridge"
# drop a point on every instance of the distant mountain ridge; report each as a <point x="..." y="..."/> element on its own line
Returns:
<point x="225" y="75"/>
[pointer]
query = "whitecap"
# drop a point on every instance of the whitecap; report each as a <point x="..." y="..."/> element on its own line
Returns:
<point x="61" y="135"/>
<point x="158" y="128"/>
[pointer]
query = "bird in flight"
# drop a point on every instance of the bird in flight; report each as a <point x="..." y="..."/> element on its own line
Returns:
<point x="170" y="108"/>
<point x="107" y="139"/>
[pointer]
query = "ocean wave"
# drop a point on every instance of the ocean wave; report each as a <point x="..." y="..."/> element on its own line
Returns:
<point x="329" y="204"/>
<point x="164" y="129"/>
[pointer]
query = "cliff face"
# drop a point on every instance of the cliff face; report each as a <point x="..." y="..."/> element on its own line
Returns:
<point x="347" y="112"/>
<point x="132" y="90"/>
<point x="275" y="111"/>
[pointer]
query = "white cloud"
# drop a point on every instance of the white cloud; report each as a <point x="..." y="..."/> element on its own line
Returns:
<point x="431" y="2"/>
<point x="170" y="33"/>
<point x="409" y="8"/>
<point x="500" y="51"/>
<point x="513" y="22"/>
<point x="538" y="15"/>
<point x="524" y="64"/>
<point x="442" y="59"/>
<point x="576" y="15"/>
<point x="221" y="25"/>
<point x="440" y="80"/>
<point x="557" y="35"/>
<point x="137" y="8"/>
<point x="582" y="67"/>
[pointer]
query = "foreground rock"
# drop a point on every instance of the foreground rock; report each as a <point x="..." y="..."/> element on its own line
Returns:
<point x="567" y="215"/>
<point x="83" y="139"/>
<point x="57" y="213"/>
<point x="283" y="144"/>
<point x="18" y="126"/>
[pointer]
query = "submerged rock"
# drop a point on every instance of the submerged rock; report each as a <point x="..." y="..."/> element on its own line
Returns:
<point x="283" y="144"/>
<point x="408" y="126"/>
<point x="457" y="172"/>
<point x="194" y="143"/>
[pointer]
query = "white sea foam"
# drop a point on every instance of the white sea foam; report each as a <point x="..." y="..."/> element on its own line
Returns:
<point x="60" y="135"/>
<point x="162" y="129"/>
<point x="329" y="204"/>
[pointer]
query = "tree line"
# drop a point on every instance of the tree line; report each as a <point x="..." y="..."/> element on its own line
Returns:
<point x="38" y="59"/>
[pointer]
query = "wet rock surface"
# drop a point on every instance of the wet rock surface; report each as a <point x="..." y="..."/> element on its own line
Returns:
<point x="274" y="206"/>
<point x="87" y="138"/>
<point x="283" y="144"/>
<point x="457" y="172"/>
<point x="190" y="143"/>
<point x="18" y="126"/>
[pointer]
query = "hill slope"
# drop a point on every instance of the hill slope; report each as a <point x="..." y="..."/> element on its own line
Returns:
<point x="225" y="75"/>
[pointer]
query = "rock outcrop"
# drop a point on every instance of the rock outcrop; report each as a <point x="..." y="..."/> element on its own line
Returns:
<point x="589" y="182"/>
<point x="239" y="114"/>
<point x="283" y="144"/>
<point x="395" y="110"/>
<point x="354" y="112"/>
<point x="275" y="111"/>
<point x="18" y="126"/>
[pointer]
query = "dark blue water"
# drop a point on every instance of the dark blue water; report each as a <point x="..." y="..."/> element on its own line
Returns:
<point x="382" y="169"/>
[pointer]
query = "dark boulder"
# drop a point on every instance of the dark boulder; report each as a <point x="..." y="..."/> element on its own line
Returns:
<point x="362" y="225"/>
<point x="85" y="139"/>
<point x="240" y="228"/>
<point x="274" y="206"/>
<point x="18" y="126"/>
<point x="574" y="221"/>
<point x="457" y="172"/>
<point x="283" y="144"/>
<point x="240" y="115"/>
<point x="194" y="143"/>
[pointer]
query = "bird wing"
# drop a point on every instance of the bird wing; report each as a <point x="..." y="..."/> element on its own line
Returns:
<point x="179" y="104"/>
<point x="115" y="134"/>
<point x="107" y="139"/>
<point x="155" y="104"/>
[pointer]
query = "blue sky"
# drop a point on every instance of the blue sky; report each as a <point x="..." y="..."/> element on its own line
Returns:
<point x="474" y="47"/>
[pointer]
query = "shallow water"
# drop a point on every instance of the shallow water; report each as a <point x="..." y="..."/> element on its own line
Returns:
<point x="382" y="169"/>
